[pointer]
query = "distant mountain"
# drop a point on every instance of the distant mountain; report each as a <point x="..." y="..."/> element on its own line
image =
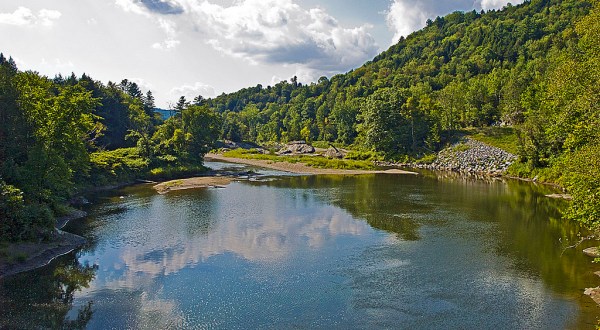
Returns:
<point x="165" y="114"/>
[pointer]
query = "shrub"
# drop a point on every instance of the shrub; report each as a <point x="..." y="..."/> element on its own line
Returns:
<point x="364" y="155"/>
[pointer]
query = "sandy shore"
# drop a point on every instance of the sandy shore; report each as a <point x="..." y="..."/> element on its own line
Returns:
<point x="192" y="183"/>
<point x="299" y="167"/>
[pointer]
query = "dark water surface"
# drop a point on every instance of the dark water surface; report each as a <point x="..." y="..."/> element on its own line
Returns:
<point x="374" y="251"/>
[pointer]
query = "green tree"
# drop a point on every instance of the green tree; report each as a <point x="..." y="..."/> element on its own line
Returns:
<point x="201" y="128"/>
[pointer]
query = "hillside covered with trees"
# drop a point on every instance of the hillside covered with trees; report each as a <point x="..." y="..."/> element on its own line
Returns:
<point x="534" y="68"/>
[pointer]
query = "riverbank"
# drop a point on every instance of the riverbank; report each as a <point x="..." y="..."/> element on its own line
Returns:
<point x="299" y="168"/>
<point x="470" y="156"/>
<point x="25" y="256"/>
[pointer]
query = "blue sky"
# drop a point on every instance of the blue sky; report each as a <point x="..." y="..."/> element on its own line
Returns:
<point x="191" y="47"/>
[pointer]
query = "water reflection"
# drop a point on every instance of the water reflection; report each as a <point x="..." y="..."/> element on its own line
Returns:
<point x="382" y="203"/>
<point x="327" y="251"/>
<point x="44" y="297"/>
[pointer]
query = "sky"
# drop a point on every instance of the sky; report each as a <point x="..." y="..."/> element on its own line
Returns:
<point x="209" y="47"/>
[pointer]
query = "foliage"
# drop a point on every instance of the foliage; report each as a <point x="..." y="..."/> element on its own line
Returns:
<point x="174" y="171"/>
<point x="63" y="134"/>
<point x="364" y="155"/>
<point x="504" y="138"/>
<point x="534" y="67"/>
<point x="464" y="70"/>
<point x="116" y="166"/>
<point x="313" y="161"/>
<point x="581" y="178"/>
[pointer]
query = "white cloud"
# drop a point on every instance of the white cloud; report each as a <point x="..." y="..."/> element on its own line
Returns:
<point x="170" y="29"/>
<point x="497" y="4"/>
<point x="142" y="84"/>
<point x="276" y="79"/>
<point x="56" y="66"/>
<point x="23" y="16"/>
<point x="132" y="7"/>
<point x="403" y="18"/>
<point x="191" y="91"/>
<point x="166" y="45"/>
<point x="281" y="32"/>
<point x="267" y="32"/>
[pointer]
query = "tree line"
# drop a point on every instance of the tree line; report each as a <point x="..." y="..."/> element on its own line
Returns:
<point x="532" y="67"/>
<point x="58" y="136"/>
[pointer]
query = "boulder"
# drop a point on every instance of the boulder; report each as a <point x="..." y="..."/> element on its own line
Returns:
<point x="296" y="148"/>
<point x="333" y="152"/>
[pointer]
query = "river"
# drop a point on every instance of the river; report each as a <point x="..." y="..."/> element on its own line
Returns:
<point x="294" y="251"/>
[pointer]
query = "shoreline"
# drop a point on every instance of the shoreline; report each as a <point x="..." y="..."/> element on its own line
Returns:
<point x="192" y="183"/>
<point x="41" y="254"/>
<point x="300" y="168"/>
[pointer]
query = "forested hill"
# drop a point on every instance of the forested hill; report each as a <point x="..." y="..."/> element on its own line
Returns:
<point x="533" y="67"/>
<point x="465" y="69"/>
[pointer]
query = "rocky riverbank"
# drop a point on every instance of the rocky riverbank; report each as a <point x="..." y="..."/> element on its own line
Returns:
<point x="471" y="157"/>
<point x="24" y="256"/>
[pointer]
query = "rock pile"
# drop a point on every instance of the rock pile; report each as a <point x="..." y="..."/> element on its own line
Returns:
<point x="296" y="148"/>
<point x="471" y="156"/>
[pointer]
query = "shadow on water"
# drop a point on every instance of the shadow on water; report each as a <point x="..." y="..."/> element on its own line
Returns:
<point x="364" y="197"/>
<point x="50" y="305"/>
<point x="519" y="222"/>
<point x="444" y="246"/>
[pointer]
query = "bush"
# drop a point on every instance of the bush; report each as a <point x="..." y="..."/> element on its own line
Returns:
<point x="364" y="155"/>
<point x="427" y="159"/>
<point x="581" y="177"/>
<point x="22" y="221"/>
<point x="174" y="172"/>
<point x="35" y="221"/>
<point x="11" y="204"/>
<point x="118" y="165"/>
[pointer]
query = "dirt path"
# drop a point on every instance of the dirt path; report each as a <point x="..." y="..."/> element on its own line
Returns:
<point x="299" y="167"/>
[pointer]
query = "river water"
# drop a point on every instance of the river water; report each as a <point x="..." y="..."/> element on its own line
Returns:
<point x="292" y="251"/>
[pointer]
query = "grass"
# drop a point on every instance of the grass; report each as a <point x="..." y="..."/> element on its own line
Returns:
<point x="173" y="183"/>
<point x="427" y="159"/>
<point x="364" y="155"/>
<point x="312" y="161"/>
<point x="174" y="172"/>
<point x="461" y="147"/>
<point x="327" y="144"/>
<point x="504" y="138"/>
